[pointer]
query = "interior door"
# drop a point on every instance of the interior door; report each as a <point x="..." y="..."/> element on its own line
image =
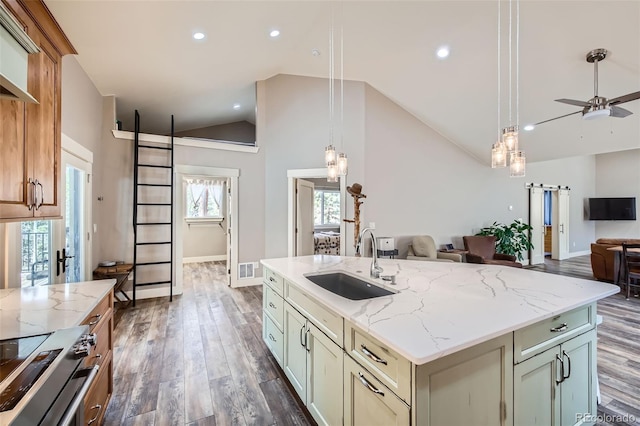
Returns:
<point x="560" y="241"/>
<point x="536" y="220"/>
<point x="304" y="217"/>
<point x="71" y="249"/>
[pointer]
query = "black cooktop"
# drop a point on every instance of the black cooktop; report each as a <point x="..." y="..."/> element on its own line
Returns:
<point x="13" y="352"/>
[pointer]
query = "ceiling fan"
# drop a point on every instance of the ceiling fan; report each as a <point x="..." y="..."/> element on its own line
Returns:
<point x="598" y="106"/>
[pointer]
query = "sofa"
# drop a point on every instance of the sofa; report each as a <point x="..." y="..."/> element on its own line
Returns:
<point x="602" y="260"/>
<point x="424" y="248"/>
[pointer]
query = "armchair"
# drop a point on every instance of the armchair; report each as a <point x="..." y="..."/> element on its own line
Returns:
<point x="482" y="249"/>
<point x="424" y="248"/>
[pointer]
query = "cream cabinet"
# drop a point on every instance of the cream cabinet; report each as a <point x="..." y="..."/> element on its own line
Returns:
<point x="311" y="361"/>
<point x="557" y="386"/>
<point x="369" y="402"/>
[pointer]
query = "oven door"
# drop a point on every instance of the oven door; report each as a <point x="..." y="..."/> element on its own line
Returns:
<point x="68" y="409"/>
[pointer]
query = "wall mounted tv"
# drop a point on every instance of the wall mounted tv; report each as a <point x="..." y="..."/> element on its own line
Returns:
<point x="612" y="208"/>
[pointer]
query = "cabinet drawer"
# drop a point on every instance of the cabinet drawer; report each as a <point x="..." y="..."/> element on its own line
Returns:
<point x="539" y="337"/>
<point x="101" y="310"/>
<point x="97" y="399"/>
<point x="387" y="365"/>
<point x="331" y="324"/>
<point x="103" y="331"/>
<point x="273" y="305"/>
<point x="274" y="338"/>
<point x="274" y="280"/>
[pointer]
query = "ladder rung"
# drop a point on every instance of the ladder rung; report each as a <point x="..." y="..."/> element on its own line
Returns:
<point x="154" y="147"/>
<point x="151" y="244"/>
<point x="152" y="283"/>
<point x="152" y="223"/>
<point x="154" y="204"/>
<point x="154" y="165"/>
<point x="154" y="184"/>
<point x="153" y="263"/>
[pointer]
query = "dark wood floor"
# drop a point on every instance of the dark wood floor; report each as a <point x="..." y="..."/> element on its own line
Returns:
<point x="200" y="359"/>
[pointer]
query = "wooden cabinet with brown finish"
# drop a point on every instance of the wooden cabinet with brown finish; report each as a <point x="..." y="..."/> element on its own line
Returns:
<point x="31" y="133"/>
<point x="100" y="322"/>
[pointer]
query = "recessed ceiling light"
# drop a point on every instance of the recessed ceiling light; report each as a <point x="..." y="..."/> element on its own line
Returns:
<point x="443" y="52"/>
<point x="315" y="52"/>
<point x="274" y="33"/>
<point x="236" y="106"/>
<point x="529" y="127"/>
<point x="198" y="36"/>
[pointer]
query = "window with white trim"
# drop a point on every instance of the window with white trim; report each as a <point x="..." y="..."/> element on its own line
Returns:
<point x="203" y="198"/>
<point x="326" y="208"/>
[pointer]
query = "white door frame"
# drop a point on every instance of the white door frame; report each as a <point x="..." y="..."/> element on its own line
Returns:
<point x="81" y="158"/>
<point x="182" y="170"/>
<point x="560" y="234"/>
<point x="294" y="174"/>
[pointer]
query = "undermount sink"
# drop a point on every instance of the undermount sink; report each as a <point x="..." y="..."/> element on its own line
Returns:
<point x="347" y="285"/>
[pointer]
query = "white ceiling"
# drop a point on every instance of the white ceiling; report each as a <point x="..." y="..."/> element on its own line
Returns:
<point x="143" y="53"/>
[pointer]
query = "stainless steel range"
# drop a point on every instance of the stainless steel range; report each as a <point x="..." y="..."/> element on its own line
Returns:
<point x="42" y="381"/>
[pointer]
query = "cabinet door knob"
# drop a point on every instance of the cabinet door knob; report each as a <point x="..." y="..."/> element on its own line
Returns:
<point x="564" y="353"/>
<point x="368" y="385"/>
<point x="561" y="370"/>
<point x="34" y="195"/>
<point x="271" y="305"/>
<point x="38" y="205"/>
<point x="371" y="355"/>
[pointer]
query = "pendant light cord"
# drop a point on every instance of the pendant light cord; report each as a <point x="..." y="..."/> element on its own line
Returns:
<point x="331" y="80"/>
<point x="517" y="62"/>
<point x="341" y="76"/>
<point x="499" y="67"/>
<point x="510" y="63"/>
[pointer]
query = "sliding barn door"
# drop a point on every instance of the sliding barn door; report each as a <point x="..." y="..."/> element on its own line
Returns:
<point x="560" y="245"/>
<point x="536" y="220"/>
<point x="304" y="217"/>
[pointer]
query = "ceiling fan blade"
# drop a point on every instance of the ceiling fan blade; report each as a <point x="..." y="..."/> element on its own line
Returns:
<point x="619" y="112"/>
<point x="625" y="98"/>
<point x="574" y="102"/>
<point x="555" y="118"/>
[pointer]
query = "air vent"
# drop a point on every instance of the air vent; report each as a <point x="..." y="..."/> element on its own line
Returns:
<point x="245" y="270"/>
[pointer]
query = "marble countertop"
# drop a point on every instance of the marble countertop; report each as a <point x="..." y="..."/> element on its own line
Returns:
<point x="42" y="309"/>
<point x="443" y="307"/>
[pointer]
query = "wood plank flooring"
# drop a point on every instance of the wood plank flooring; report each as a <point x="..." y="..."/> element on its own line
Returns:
<point x="200" y="359"/>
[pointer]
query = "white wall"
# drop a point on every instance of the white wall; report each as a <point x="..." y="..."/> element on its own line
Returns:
<point x="618" y="175"/>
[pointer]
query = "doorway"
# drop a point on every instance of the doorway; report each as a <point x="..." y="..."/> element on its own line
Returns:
<point x="323" y="218"/>
<point x="549" y="217"/>
<point x="213" y="186"/>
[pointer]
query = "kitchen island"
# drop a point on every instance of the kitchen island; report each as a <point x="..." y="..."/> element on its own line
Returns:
<point x="42" y="314"/>
<point x="496" y="338"/>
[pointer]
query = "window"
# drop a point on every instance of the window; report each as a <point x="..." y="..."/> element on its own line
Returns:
<point x="203" y="198"/>
<point x="326" y="208"/>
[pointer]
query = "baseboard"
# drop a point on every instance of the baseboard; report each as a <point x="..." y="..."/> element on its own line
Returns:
<point x="247" y="282"/>
<point x="151" y="292"/>
<point x="198" y="259"/>
<point x="578" y="253"/>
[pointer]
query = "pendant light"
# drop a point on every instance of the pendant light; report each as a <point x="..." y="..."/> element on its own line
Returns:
<point x="498" y="151"/>
<point x="337" y="164"/>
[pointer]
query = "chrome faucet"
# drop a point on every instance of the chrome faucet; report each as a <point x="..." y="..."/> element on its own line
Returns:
<point x="375" y="270"/>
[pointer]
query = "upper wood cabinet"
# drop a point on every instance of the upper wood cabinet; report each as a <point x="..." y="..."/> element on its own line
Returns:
<point x="30" y="134"/>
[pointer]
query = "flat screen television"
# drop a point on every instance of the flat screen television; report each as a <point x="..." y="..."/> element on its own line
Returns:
<point x="612" y="208"/>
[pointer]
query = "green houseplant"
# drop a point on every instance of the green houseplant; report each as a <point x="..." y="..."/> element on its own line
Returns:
<point x="511" y="239"/>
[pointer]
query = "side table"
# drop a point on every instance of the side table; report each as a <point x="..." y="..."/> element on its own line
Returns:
<point x="121" y="274"/>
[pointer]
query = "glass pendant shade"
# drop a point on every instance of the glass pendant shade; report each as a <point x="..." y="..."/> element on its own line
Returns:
<point x="498" y="155"/>
<point x="332" y="172"/>
<point x="342" y="164"/>
<point x="510" y="138"/>
<point x="329" y="155"/>
<point x="518" y="164"/>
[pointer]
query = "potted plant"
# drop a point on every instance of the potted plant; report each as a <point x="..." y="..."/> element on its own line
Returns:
<point x="511" y="239"/>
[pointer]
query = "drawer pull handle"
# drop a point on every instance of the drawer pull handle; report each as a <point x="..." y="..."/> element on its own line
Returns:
<point x="99" y="407"/>
<point x="368" y="385"/>
<point x="271" y="337"/>
<point x="559" y="328"/>
<point x="272" y="280"/>
<point x="97" y="319"/>
<point x="371" y="355"/>
<point x="271" y="305"/>
<point x="98" y="355"/>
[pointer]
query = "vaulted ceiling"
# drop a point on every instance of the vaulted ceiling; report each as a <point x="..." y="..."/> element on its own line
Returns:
<point x="143" y="53"/>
